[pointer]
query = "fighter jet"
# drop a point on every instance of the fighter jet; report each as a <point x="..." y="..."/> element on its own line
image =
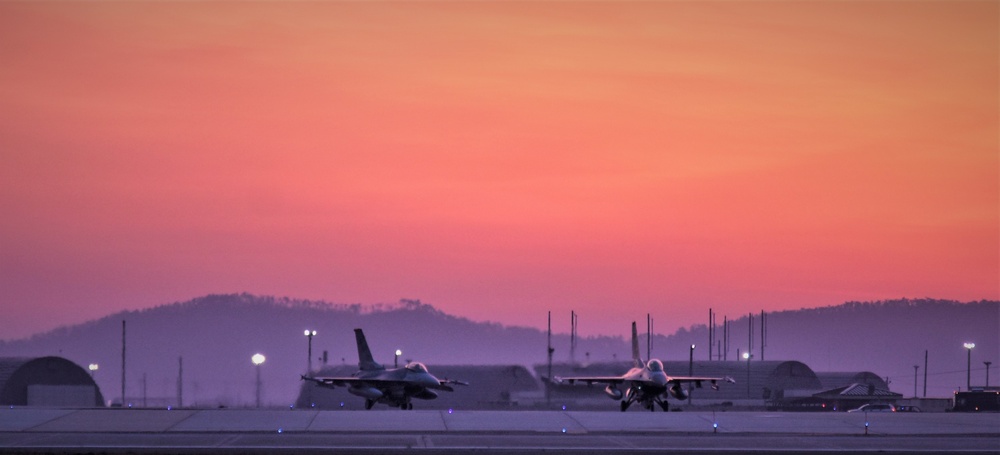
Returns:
<point x="394" y="387"/>
<point x="647" y="383"/>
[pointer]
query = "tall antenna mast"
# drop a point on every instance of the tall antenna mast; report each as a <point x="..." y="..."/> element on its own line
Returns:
<point x="572" y="336"/>
<point x="711" y="336"/>
<point x="925" y="373"/>
<point x="763" y="333"/>
<point x="725" y="337"/>
<point x="649" y="337"/>
<point x="123" y="364"/>
<point x="550" y="351"/>
<point x="180" y="382"/>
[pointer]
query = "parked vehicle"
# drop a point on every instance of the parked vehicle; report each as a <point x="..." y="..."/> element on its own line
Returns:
<point x="873" y="407"/>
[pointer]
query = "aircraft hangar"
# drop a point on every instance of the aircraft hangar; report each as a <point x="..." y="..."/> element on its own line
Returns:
<point x="46" y="381"/>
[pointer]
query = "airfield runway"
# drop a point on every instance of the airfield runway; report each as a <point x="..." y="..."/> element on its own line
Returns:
<point x="191" y="431"/>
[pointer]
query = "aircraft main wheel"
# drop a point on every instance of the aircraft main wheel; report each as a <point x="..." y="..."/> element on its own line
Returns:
<point x="369" y="404"/>
<point x="665" y="406"/>
<point x="624" y="405"/>
<point x="409" y="406"/>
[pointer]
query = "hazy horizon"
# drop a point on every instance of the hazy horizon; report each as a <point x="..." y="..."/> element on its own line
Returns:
<point x="560" y="321"/>
<point x="216" y="336"/>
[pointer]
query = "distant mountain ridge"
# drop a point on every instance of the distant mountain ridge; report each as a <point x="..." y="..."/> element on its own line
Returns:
<point x="217" y="334"/>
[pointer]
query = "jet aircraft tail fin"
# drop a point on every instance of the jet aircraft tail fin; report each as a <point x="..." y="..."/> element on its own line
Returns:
<point x="635" y="348"/>
<point x="365" y="359"/>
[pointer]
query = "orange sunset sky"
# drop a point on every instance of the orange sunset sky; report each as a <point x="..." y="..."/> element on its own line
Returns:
<point x="498" y="159"/>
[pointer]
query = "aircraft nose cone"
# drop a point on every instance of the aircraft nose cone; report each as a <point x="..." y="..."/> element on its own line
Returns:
<point x="429" y="381"/>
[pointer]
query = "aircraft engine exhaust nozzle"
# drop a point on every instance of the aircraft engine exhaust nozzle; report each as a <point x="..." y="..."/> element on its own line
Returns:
<point x="678" y="392"/>
<point x="613" y="392"/>
<point x="370" y="393"/>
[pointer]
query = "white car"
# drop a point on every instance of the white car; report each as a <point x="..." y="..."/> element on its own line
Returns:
<point x="874" y="408"/>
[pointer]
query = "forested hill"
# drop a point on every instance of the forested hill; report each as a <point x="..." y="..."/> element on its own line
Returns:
<point x="217" y="334"/>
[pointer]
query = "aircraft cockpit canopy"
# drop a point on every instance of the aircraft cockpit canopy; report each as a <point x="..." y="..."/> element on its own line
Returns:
<point x="416" y="367"/>
<point x="655" y="365"/>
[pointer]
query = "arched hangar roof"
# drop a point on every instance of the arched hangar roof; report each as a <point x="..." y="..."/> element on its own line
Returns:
<point x="18" y="373"/>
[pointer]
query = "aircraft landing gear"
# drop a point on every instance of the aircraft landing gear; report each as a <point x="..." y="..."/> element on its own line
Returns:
<point x="665" y="406"/>
<point x="369" y="404"/>
<point x="406" y="406"/>
<point x="625" y="404"/>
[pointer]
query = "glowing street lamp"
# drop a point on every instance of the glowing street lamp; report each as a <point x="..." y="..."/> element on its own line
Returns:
<point x="968" y="370"/>
<point x="395" y="360"/>
<point x="309" y="357"/>
<point x="93" y="369"/>
<point x="258" y="360"/>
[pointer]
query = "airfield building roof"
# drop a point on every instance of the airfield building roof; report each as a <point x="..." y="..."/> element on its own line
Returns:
<point x="46" y="381"/>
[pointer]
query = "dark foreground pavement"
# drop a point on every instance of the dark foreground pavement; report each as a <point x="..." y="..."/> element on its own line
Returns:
<point x="187" y="431"/>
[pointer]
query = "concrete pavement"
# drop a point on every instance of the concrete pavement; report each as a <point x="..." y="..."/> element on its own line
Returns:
<point x="41" y="430"/>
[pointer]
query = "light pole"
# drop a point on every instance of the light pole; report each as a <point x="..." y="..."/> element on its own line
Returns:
<point x="691" y="362"/>
<point x="748" y="356"/>
<point x="395" y="360"/>
<point x="915" y="368"/>
<point x="987" y="373"/>
<point x="968" y="370"/>
<point x="257" y="360"/>
<point x="309" y="363"/>
<point x="690" y="369"/>
<point x="93" y="370"/>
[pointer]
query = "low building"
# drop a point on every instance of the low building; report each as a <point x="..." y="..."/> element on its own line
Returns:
<point x="834" y="379"/>
<point x="47" y="381"/>
<point x="856" y="395"/>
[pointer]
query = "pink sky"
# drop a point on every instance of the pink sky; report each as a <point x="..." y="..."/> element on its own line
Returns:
<point x="498" y="159"/>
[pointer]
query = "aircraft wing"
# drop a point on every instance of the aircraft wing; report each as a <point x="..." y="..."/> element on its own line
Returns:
<point x="697" y="380"/>
<point x="334" y="381"/>
<point x="590" y="379"/>
<point x="346" y="381"/>
<point x="447" y="383"/>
